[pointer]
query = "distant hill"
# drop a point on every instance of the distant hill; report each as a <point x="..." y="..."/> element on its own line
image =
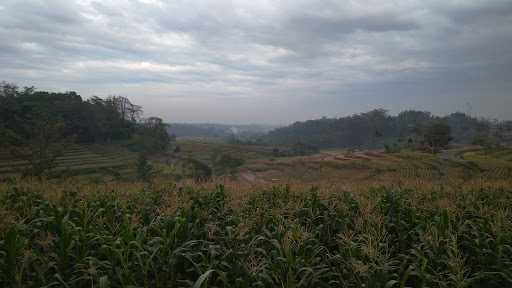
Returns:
<point x="374" y="128"/>
<point x="218" y="131"/>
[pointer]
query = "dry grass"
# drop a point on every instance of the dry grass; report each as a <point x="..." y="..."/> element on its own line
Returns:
<point x="405" y="220"/>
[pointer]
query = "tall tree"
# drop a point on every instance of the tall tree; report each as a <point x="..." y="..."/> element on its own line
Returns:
<point x="437" y="136"/>
<point x="39" y="141"/>
<point x="151" y="136"/>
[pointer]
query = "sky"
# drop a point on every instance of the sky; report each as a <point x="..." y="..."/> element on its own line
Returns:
<point x="263" y="61"/>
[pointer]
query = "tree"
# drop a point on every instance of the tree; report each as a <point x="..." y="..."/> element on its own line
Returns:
<point x="94" y="120"/>
<point x="113" y="118"/>
<point x="40" y="142"/>
<point x="151" y="136"/>
<point x="465" y="129"/>
<point x="437" y="135"/>
<point x="127" y="110"/>
<point x="409" y="123"/>
<point x="199" y="170"/>
<point x="32" y="125"/>
<point x="9" y="111"/>
<point x="145" y="171"/>
<point x="225" y="163"/>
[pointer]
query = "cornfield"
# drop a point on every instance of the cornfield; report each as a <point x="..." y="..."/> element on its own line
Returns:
<point x="168" y="236"/>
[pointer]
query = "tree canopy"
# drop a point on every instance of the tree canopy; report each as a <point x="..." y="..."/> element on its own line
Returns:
<point x="35" y="124"/>
<point x="375" y="128"/>
<point x="92" y="120"/>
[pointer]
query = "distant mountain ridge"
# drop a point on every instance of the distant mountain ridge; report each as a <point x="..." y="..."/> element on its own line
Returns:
<point x="375" y="128"/>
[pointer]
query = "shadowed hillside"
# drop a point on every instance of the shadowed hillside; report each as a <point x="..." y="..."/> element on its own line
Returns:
<point x="376" y="128"/>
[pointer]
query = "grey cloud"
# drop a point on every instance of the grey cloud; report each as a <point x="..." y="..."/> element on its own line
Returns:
<point x="275" y="61"/>
<point x="332" y="28"/>
<point x="477" y="11"/>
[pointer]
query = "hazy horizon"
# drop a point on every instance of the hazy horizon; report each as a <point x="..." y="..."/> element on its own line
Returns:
<point x="266" y="62"/>
<point x="276" y="125"/>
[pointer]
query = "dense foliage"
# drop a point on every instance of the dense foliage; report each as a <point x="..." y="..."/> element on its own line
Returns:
<point x="225" y="163"/>
<point x="93" y="120"/>
<point x="168" y="237"/>
<point x="151" y="136"/>
<point x="36" y="126"/>
<point x="437" y="135"/>
<point x="376" y="128"/>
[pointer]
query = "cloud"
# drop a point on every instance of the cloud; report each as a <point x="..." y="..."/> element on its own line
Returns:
<point x="265" y="61"/>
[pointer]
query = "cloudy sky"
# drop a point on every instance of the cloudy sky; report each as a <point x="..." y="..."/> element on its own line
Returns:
<point x="264" y="61"/>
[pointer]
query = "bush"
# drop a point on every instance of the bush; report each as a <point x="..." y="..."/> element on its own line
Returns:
<point x="200" y="171"/>
<point x="151" y="137"/>
<point x="145" y="171"/>
<point x="226" y="164"/>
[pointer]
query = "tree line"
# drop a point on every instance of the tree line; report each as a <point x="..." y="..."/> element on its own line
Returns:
<point x="36" y="125"/>
<point x="377" y="128"/>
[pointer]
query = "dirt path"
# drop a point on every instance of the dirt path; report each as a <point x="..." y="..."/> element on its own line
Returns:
<point x="457" y="156"/>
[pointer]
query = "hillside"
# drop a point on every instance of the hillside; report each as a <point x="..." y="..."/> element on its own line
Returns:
<point x="84" y="160"/>
<point x="374" y="129"/>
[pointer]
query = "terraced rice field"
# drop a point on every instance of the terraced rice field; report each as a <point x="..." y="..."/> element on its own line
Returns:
<point x="203" y="151"/>
<point x="79" y="159"/>
<point x="375" y="168"/>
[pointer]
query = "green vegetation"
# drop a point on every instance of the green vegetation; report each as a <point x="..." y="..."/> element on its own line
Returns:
<point x="376" y="128"/>
<point x="198" y="170"/>
<point x="437" y="135"/>
<point x="36" y="127"/>
<point x="84" y="160"/>
<point x="162" y="236"/>
<point x="151" y="136"/>
<point x="117" y="202"/>
<point x="95" y="120"/>
<point x="145" y="171"/>
<point x="226" y="164"/>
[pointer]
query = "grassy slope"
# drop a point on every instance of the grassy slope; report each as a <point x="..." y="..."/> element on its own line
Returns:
<point x="330" y="167"/>
<point x="204" y="151"/>
<point x="343" y="168"/>
<point x="79" y="160"/>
